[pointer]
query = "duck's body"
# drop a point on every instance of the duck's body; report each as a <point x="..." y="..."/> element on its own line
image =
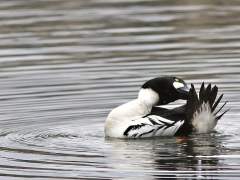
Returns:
<point x="141" y="117"/>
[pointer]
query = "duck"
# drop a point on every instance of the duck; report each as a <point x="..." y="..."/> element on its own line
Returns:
<point x="146" y="116"/>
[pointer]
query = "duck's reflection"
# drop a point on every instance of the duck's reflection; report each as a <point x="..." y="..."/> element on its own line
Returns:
<point x="194" y="157"/>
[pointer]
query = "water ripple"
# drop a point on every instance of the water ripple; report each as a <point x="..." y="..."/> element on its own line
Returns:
<point x="65" y="65"/>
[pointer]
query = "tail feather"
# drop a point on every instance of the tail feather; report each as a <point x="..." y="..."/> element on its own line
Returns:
<point x="217" y="102"/>
<point x="193" y="104"/>
<point x="196" y="102"/>
<point x="213" y="95"/>
<point x="220" y="108"/>
<point x="219" y="117"/>
<point x="206" y="93"/>
<point x="199" y="109"/>
<point x="202" y="89"/>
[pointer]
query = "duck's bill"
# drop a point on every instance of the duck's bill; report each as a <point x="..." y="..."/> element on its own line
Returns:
<point x="183" y="93"/>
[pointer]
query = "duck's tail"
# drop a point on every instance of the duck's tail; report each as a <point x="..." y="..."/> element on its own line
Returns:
<point x="200" y="111"/>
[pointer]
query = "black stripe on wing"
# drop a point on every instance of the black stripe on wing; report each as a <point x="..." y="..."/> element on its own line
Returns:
<point x="176" y="115"/>
<point x="161" y="122"/>
<point x="146" y="133"/>
<point x="133" y="127"/>
<point x="151" y="124"/>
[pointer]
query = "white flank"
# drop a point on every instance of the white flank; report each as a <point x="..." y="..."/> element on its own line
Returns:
<point x="203" y="120"/>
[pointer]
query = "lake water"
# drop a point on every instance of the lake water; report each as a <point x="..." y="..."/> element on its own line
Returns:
<point x="66" y="64"/>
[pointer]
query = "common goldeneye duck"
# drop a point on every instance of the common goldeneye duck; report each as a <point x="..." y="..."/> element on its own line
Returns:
<point x="157" y="91"/>
<point x="141" y="118"/>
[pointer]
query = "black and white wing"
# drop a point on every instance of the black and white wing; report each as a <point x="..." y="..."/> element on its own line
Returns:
<point x="151" y="126"/>
<point x="176" y="114"/>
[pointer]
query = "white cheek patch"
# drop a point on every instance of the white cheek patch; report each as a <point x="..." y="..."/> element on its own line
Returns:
<point x="178" y="85"/>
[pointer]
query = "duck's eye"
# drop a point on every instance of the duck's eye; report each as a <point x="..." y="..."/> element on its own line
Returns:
<point x="178" y="85"/>
<point x="176" y="79"/>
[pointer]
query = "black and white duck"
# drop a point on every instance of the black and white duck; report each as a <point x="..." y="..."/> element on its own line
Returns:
<point x="143" y="118"/>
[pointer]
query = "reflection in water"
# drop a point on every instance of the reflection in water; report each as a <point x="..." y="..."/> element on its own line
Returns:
<point x="186" y="159"/>
<point x="66" y="64"/>
<point x="198" y="154"/>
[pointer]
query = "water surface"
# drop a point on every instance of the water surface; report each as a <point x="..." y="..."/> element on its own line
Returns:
<point x="66" y="64"/>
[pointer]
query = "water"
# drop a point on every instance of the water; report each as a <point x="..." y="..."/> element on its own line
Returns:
<point x="66" y="64"/>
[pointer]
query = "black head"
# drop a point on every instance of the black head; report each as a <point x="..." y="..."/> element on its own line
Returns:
<point x="169" y="89"/>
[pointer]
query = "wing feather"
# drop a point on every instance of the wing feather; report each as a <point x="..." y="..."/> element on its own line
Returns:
<point x="152" y="126"/>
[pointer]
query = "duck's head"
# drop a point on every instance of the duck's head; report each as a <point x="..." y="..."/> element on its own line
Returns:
<point x="165" y="89"/>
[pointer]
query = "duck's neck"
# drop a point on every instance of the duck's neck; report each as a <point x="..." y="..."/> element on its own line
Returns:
<point x="148" y="97"/>
<point x="132" y="110"/>
<point x="141" y="106"/>
<point x="137" y="108"/>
